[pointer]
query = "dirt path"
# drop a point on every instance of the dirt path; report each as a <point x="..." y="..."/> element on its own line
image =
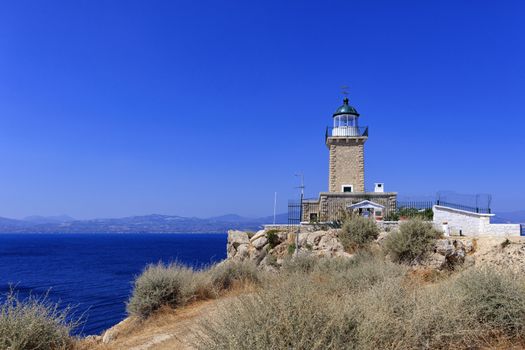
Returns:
<point x="167" y="330"/>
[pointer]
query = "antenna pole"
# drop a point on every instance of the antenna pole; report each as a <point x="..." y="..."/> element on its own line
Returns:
<point x="274" y="206"/>
<point x="300" y="214"/>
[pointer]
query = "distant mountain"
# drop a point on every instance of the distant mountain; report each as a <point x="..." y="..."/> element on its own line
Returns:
<point x="5" y="222"/>
<point x="136" y="224"/>
<point x="36" y="219"/>
<point x="517" y="217"/>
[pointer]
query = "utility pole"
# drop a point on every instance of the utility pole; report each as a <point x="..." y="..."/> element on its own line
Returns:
<point x="300" y="214"/>
<point x="274" y="206"/>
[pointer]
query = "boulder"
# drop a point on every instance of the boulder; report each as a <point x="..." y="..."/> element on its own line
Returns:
<point x="435" y="261"/>
<point x="329" y="243"/>
<point x="260" y="242"/>
<point x="113" y="333"/>
<point x="444" y="247"/>
<point x="257" y="235"/>
<point x="311" y="238"/>
<point x="230" y="251"/>
<point x="280" y="251"/>
<point x="456" y="258"/>
<point x="242" y="252"/>
<point x="283" y="236"/>
<point x="236" y="238"/>
<point x="468" y="246"/>
<point x="257" y="255"/>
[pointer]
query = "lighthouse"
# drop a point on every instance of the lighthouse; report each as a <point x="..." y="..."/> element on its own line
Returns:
<point x="345" y="140"/>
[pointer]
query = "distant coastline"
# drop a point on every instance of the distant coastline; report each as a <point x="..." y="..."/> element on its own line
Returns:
<point x="146" y="224"/>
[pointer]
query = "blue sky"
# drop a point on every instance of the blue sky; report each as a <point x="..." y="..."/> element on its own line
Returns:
<point x="200" y="108"/>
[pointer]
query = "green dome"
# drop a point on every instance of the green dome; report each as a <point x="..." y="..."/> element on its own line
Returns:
<point x="346" y="109"/>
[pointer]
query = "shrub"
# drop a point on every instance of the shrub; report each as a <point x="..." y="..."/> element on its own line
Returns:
<point x="358" y="274"/>
<point x="223" y="276"/>
<point x="291" y="314"/>
<point x="302" y="263"/>
<point x="35" y="324"/>
<point x="411" y="242"/>
<point x="273" y="238"/>
<point x="171" y="285"/>
<point x="291" y="248"/>
<point x="358" y="231"/>
<point x="496" y="299"/>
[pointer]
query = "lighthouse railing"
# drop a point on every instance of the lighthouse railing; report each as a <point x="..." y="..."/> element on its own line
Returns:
<point x="346" y="131"/>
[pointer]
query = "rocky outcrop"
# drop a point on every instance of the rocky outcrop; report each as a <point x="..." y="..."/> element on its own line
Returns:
<point x="448" y="253"/>
<point x="237" y="246"/>
<point x="269" y="248"/>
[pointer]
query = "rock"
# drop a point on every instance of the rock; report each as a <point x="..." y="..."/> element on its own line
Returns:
<point x="468" y="246"/>
<point x="236" y="238"/>
<point x="113" y="333"/>
<point x="257" y="235"/>
<point x="280" y="251"/>
<point x="435" y="261"/>
<point x="311" y="238"/>
<point x="343" y="254"/>
<point x="444" y="247"/>
<point x="456" y="258"/>
<point x="257" y="255"/>
<point x="242" y="252"/>
<point x="230" y="251"/>
<point x="283" y="236"/>
<point x="94" y="338"/>
<point x="330" y="244"/>
<point x="260" y="242"/>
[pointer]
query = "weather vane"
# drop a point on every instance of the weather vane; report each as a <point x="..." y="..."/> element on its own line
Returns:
<point x="344" y="90"/>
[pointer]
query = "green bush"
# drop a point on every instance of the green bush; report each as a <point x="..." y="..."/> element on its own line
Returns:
<point x="171" y="285"/>
<point x="35" y="324"/>
<point x="291" y="248"/>
<point x="423" y="214"/>
<point x="411" y="242"/>
<point x="358" y="231"/>
<point x="273" y="238"/>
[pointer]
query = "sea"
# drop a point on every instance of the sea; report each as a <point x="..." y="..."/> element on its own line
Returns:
<point x="94" y="273"/>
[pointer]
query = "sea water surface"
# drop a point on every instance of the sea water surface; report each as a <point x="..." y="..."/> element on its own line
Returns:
<point x="94" y="272"/>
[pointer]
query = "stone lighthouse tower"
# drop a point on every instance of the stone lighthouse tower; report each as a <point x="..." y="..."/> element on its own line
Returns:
<point x="345" y="141"/>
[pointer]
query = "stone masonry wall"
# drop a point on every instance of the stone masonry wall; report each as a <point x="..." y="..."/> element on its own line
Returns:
<point x="347" y="163"/>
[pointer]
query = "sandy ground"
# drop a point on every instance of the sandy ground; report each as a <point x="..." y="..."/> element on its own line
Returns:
<point x="168" y="329"/>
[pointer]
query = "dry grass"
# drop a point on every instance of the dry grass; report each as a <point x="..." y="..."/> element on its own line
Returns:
<point x="371" y="303"/>
<point x="175" y="285"/>
<point x="35" y="324"/>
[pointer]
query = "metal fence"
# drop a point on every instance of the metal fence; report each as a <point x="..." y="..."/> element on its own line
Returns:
<point x="294" y="212"/>
<point x="346" y="131"/>
<point x="336" y="209"/>
<point x="476" y="203"/>
<point x="419" y="205"/>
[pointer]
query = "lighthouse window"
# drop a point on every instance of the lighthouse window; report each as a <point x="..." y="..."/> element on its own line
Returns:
<point x="348" y="188"/>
